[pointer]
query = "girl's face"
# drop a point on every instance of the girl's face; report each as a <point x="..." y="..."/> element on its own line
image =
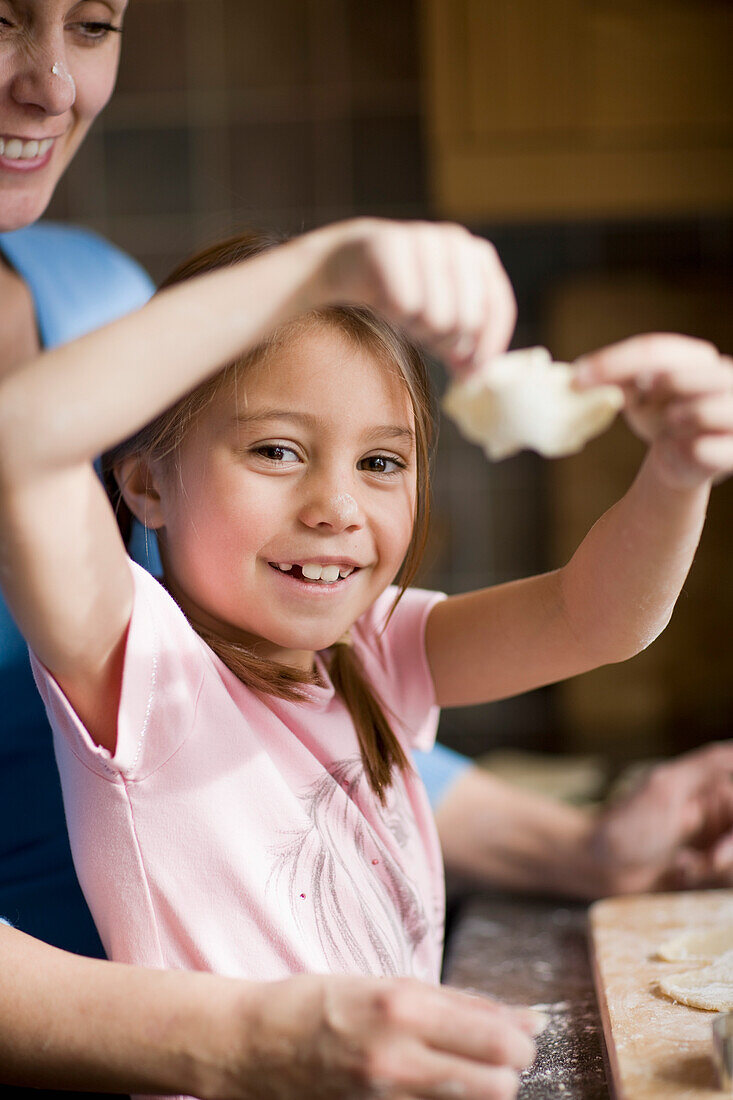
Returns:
<point x="58" y="63"/>
<point x="293" y="506"/>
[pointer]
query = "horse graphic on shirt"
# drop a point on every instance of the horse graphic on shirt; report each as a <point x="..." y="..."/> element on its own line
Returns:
<point x="332" y="858"/>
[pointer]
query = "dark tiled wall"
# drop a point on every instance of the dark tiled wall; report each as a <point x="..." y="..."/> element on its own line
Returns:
<point x="279" y="113"/>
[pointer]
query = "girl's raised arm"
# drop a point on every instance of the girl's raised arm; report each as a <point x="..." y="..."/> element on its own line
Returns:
<point x="618" y="590"/>
<point x="63" y="567"/>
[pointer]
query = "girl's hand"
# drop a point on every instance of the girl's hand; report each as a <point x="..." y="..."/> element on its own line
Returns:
<point x="679" y="398"/>
<point x="444" y="286"/>
<point x="364" y="1037"/>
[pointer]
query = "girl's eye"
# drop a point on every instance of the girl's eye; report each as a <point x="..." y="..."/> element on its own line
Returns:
<point x="276" y="453"/>
<point x="96" y="31"/>
<point x="381" y="464"/>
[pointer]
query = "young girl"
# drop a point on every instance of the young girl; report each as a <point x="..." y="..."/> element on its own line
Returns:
<point x="234" y="744"/>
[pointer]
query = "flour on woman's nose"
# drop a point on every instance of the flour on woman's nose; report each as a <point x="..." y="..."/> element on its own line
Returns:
<point x="60" y="70"/>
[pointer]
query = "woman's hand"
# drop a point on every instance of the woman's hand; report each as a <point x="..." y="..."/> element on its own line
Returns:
<point x="336" y="1036"/>
<point x="679" y="398"/>
<point x="444" y="286"/>
<point x="675" y="830"/>
<point x="86" y="1024"/>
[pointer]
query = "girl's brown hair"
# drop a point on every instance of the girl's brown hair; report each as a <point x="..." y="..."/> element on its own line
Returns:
<point x="380" y="749"/>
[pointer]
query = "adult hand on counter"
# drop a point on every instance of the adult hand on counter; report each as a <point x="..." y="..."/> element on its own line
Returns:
<point x="210" y="1036"/>
<point x="376" y="1037"/>
<point x="675" y="830"/>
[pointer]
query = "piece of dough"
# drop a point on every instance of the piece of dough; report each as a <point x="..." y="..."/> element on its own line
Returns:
<point x="710" y="987"/>
<point x="525" y="400"/>
<point x="702" y="946"/>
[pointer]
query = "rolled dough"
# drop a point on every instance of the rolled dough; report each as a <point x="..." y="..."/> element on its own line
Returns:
<point x="702" y="946"/>
<point x="524" y="400"/>
<point x="709" y="987"/>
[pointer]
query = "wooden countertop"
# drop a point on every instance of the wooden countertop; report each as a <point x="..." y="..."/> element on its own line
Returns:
<point x="659" y="1050"/>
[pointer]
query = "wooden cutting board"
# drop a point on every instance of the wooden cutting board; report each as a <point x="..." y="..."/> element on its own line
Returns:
<point x="657" y="1050"/>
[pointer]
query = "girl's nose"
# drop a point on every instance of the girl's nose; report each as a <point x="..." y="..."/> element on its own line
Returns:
<point x="43" y="79"/>
<point x="331" y="509"/>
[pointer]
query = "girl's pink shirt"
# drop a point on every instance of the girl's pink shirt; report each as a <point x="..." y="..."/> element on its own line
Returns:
<point x="236" y="833"/>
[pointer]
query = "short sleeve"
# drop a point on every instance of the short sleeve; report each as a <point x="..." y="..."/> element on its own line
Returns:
<point x="392" y="650"/>
<point x="439" y="769"/>
<point x="79" y="281"/>
<point x="165" y="662"/>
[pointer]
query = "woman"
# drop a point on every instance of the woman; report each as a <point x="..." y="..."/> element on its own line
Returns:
<point x="58" y="64"/>
<point x="198" y="1033"/>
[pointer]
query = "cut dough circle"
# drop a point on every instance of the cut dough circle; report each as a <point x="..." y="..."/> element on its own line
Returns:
<point x="703" y="946"/>
<point x="524" y="400"/>
<point x="710" y="987"/>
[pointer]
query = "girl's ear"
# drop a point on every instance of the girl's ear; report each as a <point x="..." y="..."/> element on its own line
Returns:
<point x="138" y="486"/>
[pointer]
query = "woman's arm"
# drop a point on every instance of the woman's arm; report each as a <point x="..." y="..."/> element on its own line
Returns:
<point x="674" y="830"/>
<point x="620" y="587"/>
<point x="84" y="1024"/>
<point x="503" y="836"/>
<point x="62" y="564"/>
<point x="75" y="1023"/>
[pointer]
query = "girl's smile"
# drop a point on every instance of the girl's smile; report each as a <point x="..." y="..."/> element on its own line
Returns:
<point x="291" y="506"/>
<point x="315" y="573"/>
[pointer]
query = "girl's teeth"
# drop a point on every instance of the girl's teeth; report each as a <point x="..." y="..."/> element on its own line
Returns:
<point x="15" y="149"/>
<point x="312" y="571"/>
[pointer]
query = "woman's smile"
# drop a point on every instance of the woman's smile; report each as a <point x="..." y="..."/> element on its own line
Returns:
<point x="19" y="154"/>
<point x="58" y="63"/>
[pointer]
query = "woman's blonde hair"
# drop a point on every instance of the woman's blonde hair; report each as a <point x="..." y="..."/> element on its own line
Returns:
<point x="160" y="439"/>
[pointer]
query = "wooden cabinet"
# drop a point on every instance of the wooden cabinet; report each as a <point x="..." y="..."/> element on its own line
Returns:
<point x="568" y="108"/>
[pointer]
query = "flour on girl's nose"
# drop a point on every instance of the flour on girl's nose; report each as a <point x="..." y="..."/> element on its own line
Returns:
<point x="345" y="505"/>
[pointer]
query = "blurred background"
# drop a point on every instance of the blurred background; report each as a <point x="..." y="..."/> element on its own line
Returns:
<point x="591" y="140"/>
